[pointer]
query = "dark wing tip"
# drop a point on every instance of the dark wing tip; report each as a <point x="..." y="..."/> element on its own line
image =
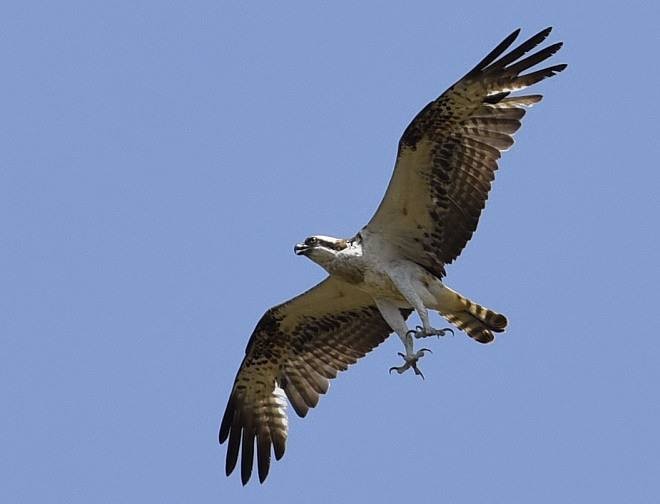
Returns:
<point x="225" y="425"/>
<point x="263" y="454"/>
<point x="521" y="50"/>
<point x="539" y="37"/>
<point x="495" y="53"/>
<point x="232" y="451"/>
<point x="247" y="458"/>
<point x="548" y="72"/>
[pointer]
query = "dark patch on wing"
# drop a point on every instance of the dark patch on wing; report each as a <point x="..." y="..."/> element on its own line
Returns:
<point x="448" y="154"/>
<point x="295" y="349"/>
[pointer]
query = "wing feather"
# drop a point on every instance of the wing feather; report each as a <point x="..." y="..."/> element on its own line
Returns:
<point x="448" y="154"/>
<point x="522" y="49"/>
<point x="492" y="56"/>
<point x="517" y="101"/>
<point x="504" y="126"/>
<point x="296" y="348"/>
<point x="295" y="398"/>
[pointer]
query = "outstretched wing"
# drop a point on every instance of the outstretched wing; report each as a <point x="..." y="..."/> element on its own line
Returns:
<point x="296" y="348"/>
<point x="448" y="155"/>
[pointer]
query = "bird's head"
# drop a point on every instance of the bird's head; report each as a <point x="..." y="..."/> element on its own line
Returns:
<point x="321" y="249"/>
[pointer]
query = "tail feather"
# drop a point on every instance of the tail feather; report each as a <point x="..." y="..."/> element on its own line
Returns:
<point x="475" y="320"/>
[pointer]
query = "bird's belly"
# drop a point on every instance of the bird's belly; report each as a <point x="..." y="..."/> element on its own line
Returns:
<point x="367" y="277"/>
<point x="379" y="285"/>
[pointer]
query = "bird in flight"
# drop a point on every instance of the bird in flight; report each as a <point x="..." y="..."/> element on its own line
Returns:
<point x="394" y="265"/>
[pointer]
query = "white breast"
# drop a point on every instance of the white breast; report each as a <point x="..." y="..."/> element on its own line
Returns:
<point x="367" y="266"/>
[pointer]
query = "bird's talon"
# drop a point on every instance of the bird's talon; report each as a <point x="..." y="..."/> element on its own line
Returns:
<point x="421" y="333"/>
<point x="418" y="372"/>
<point x="399" y="369"/>
<point x="410" y="361"/>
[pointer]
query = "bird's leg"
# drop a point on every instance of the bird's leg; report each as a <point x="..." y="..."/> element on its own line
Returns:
<point x="392" y="315"/>
<point x="425" y="330"/>
<point x="410" y="358"/>
<point x="420" y="332"/>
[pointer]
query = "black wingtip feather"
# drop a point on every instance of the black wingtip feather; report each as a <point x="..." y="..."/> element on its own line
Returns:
<point x="520" y="50"/>
<point x="495" y="53"/>
<point x="263" y="454"/>
<point x="225" y="425"/>
<point x="543" y="73"/>
<point x="232" y="450"/>
<point x="247" y="455"/>
<point x="534" y="59"/>
<point x="279" y="448"/>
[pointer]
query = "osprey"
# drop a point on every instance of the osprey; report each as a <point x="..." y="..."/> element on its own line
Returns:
<point x="395" y="265"/>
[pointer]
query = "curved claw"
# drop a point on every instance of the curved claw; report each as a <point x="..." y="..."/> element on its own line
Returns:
<point x="410" y="362"/>
<point x="418" y="371"/>
<point x="398" y="369"/>
<point x="441" y="332"/>
<point x="420" y="332"/>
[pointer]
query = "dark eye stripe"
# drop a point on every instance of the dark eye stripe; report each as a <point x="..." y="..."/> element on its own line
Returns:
<point x="338" y="245"/>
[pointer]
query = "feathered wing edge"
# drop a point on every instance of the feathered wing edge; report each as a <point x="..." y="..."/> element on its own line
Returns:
<point x="491" y="65"/>
<point x="256" y="408"/>
<point x="242" y="424"/>
<point x="331" y="326"/>
<point x="489" y="129"/>
<point x="448" y="154"/>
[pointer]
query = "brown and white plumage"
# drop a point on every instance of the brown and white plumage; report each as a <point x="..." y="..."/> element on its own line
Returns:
<point x="445" y="165"/>
<point x="448" y="155"/>
<point x="296" y="348"/>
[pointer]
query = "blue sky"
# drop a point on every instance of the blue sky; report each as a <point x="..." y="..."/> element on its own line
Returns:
<point x="158" y="160"/>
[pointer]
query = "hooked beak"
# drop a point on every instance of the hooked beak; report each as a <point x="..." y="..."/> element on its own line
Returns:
<point x="301" y="249"/>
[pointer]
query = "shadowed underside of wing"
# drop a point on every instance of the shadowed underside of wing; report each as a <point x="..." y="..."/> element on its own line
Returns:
<point x="296" y="348"/>
<point x="448" y="155"/>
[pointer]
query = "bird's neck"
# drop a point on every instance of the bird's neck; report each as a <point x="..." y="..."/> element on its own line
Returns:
<point x="347" y="264"/>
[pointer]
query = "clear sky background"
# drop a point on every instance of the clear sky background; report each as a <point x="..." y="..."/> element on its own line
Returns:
<point x="158" y="161"/>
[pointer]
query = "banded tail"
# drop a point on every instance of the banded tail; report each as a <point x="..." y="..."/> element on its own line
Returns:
<point x="475" y="320"/>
